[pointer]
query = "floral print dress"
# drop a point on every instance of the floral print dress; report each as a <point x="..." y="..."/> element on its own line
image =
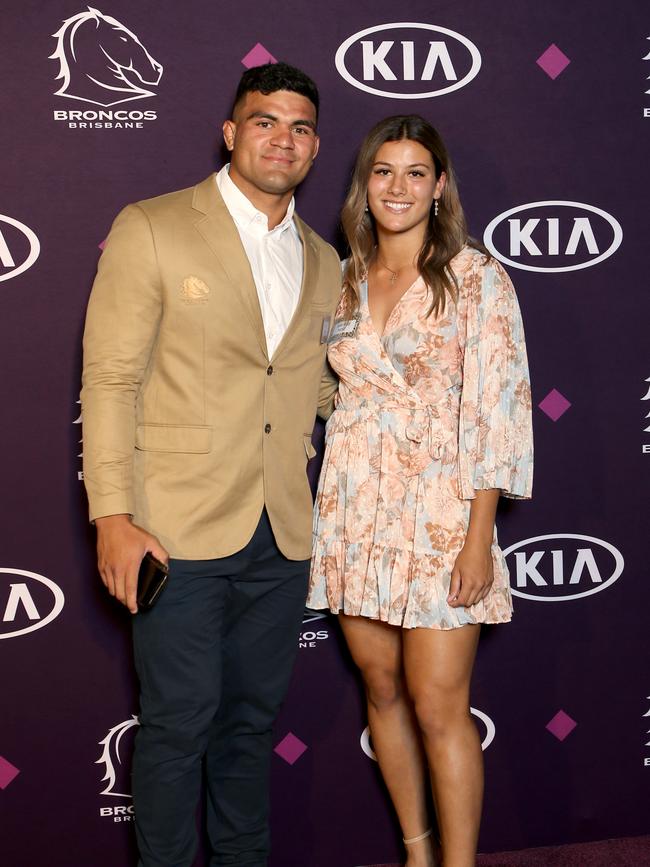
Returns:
<point x="432" y="411"/>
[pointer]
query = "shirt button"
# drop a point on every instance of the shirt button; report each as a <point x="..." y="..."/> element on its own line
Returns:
<point x="269" y="370"/>
<point x="267" y="428"/>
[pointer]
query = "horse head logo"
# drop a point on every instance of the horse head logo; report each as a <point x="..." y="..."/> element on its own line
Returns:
<point x="102" y="62"/>
<point x="111" y="758"/>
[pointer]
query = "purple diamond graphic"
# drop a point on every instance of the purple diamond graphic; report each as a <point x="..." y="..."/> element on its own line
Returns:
<point x="258" y="56"/>
<point x="102" y="244"/>
<point x="553" y="61"/>
<point x="561" y="725"/>
<point x="8" y="773"/>
<point x="554" y="404"/>
<point x="290" y="748"/>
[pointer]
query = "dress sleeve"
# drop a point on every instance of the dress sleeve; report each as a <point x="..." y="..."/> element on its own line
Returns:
<point x="495" y="430"/>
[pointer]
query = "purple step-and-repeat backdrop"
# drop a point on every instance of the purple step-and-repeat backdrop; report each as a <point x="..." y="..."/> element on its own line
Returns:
<point x="546" y="109"/>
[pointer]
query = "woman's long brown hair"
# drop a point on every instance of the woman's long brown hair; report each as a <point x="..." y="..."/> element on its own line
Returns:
<point x="446" y="234"/>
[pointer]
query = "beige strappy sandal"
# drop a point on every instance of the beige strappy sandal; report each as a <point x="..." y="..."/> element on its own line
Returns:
<point x="408" y="840"/>
<point x="417" y="839"/>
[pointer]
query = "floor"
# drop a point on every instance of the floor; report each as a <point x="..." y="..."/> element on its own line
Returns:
<point x="628" y="852"/>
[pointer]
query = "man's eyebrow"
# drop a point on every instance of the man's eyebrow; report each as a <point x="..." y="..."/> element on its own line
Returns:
<point x="261" y="114"/>
<point x="267" y="116"/>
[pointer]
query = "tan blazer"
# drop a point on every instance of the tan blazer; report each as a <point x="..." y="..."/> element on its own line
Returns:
<point x="188" y="425"/>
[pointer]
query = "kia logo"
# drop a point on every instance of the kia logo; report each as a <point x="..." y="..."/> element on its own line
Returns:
<point x="27" y="602"/>
<point x="553" y="236"/>
<point x="417" y="61"/>
<point x="19" y="247"/>
<point x="563" y="566"/>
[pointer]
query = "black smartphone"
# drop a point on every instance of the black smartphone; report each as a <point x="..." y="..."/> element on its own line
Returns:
<point x="152" y="578"/>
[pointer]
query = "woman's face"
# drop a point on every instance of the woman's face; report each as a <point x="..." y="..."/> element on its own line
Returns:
<point x="402" y="186"/>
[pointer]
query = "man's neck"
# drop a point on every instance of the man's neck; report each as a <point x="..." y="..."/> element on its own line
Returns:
<point x="273" y="205"/>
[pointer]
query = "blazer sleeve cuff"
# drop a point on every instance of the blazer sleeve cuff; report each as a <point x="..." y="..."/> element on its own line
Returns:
<point x="112" y="504"/>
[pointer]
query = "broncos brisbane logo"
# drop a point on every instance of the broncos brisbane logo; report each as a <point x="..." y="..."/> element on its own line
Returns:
<point x="112" y="759"/>
<point x="102" y="62"/>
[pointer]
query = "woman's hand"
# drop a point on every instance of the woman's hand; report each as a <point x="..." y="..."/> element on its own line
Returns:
<point x="472" y="575"/>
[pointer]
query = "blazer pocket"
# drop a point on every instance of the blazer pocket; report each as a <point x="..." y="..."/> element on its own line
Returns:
<point x="310" y="451"/>
<point x="191" y="439"/>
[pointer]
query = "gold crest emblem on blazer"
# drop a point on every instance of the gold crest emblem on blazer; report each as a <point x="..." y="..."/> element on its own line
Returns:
<point x="194" y="290"/>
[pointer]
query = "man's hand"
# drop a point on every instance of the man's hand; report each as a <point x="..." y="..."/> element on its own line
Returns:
<point x="121" y="545"/>
<point x="472" y="575"/>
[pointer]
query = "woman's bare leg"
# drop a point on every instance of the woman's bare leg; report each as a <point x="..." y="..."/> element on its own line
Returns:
<point x="377" y="650"/>
<point x="438" y="667"/>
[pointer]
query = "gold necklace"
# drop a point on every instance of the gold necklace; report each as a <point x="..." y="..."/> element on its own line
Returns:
<point x="393" y="274"/>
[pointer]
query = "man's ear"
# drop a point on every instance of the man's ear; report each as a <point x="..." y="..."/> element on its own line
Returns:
<point x="229" y="130"/>
<point x="316" y="147"/>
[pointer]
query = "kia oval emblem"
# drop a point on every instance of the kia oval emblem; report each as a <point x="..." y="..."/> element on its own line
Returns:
<point x="553" y="236"/>
<point x="423" y="60"/>
<point x="18" y="250"/>
<point x="28" y="601"/>
<point x="562" y="566"/>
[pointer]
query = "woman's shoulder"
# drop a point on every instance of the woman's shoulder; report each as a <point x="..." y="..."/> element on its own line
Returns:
<point x="469" y="259"/>
<point x="477" y="271"/>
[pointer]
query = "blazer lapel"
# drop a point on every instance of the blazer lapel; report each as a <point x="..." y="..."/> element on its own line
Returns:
<point x="219" y="231"/>
<point x="309" y="279"/>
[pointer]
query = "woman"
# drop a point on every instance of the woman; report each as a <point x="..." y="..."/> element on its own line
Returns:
<point x="432" y="425"/>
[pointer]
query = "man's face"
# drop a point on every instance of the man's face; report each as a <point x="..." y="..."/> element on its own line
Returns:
<point x="273" y="142"/>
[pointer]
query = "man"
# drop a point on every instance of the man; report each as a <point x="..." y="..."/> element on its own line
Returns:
<point x="203" y="353"/>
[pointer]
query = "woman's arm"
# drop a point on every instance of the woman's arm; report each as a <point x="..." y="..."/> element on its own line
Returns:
<point x="472" y="574"/>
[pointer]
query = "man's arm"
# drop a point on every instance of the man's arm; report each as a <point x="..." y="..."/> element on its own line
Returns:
<point x="329" y="384"/>
<point x="329" y="380"/>
<point x="121" y="327"/>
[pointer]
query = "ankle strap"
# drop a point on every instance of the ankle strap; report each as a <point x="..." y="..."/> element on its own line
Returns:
<point x="410" y="840"/>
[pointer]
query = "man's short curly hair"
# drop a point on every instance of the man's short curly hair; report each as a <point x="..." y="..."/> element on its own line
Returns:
<point x="277" y="76"/>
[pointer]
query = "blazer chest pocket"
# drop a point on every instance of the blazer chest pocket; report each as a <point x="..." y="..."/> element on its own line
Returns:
<point x="190" y="439"/>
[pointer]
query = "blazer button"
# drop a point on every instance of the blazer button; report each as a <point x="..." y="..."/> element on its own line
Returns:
<point x="269" y="370"/>
<point x="267" y="428"/>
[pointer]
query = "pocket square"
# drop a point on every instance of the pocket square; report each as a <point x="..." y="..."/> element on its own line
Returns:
<point x="194" y="290"/>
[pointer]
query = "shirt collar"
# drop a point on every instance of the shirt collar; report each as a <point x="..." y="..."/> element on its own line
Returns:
<point x="244" y="212"/>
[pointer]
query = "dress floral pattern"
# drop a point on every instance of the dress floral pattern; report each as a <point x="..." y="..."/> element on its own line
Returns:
<point x="432" y="411"/>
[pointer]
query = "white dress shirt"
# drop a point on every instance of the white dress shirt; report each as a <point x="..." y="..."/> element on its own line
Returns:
<point x="275" y="257"/>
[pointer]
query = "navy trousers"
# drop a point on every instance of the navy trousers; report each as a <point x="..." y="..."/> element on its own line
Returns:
<point x="214" y="657"/>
